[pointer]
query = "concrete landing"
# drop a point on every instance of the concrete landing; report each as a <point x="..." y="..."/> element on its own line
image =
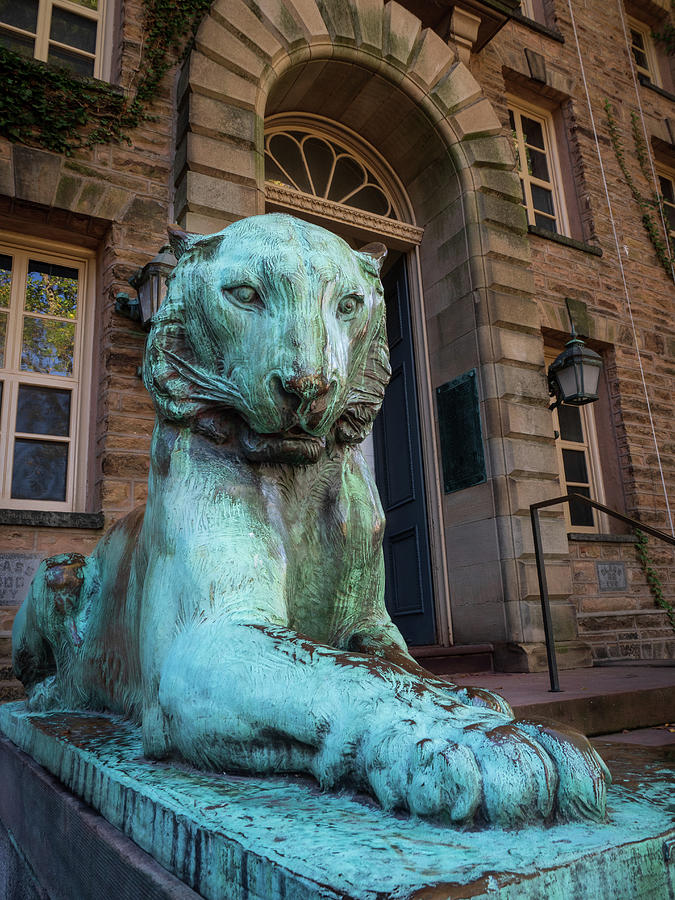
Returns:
<point x="258" y="839"/>
<point x="595" y="701"/>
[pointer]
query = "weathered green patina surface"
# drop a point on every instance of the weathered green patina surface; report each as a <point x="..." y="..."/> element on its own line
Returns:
<point x="259" y="838"/>
<point x="239" y="617"/>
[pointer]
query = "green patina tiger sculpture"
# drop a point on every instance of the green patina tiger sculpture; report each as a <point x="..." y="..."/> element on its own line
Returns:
<point x="239" y="617"/>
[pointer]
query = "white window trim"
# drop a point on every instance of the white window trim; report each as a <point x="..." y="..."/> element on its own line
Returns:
<point x="652" y="71"/>
<point x="41" y="49"/>
<point x="76" y="486"/>
<point x="534" y="112"/>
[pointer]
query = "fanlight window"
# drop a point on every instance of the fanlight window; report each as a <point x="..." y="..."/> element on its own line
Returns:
<point x="304" y="162"/>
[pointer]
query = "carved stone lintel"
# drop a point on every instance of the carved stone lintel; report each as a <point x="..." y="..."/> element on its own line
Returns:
<point x="338" y="212"/>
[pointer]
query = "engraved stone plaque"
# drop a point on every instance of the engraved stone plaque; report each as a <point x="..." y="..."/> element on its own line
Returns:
<point x="16" y="574"/>
<point x="611" y="576"/>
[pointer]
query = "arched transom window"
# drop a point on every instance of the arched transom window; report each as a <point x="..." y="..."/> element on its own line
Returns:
<point x="313" y="164"/>
<point x="316" y="169"/>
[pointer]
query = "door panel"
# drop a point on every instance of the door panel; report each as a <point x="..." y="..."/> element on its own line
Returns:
<point x="400" y="477"/>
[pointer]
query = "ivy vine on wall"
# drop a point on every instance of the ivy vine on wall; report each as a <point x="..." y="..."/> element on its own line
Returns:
<point x="53" y="108"/>
<point x="651" y="208"/>
<point x="653" y="580"/>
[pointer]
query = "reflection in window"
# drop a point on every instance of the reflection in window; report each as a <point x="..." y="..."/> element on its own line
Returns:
<point x="534" y="152"/>
<point x="315" y="165"/>
<point x="64" y="33"/>
<point x="40" y="337"/>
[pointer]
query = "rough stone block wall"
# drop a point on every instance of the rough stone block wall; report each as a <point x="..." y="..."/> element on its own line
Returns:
<point x="115" y="199"/>
<point x="631" y="466"/>
<point x="625" y="624"/>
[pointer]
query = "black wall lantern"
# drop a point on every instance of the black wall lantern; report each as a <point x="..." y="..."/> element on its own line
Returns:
<point x="573" y="375"/>
<point x="150" y="286"/>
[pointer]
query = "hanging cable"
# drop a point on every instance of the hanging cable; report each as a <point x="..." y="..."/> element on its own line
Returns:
<point x="657" y="191"/>
<point x="621" y="268"/>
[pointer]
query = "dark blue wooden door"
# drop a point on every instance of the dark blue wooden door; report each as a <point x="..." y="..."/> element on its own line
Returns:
<point x="400" y="477"/>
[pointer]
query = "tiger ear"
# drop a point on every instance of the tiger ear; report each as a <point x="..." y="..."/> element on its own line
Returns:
<point x="180" y="240"/>
<point x="377" y="252"/>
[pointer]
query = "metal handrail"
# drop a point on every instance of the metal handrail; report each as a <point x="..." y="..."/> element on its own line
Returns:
<point x="541" y="571"/>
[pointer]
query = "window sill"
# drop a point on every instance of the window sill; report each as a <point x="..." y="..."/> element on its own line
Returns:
<point x="602" y="538"/>
<point x="41" y="518"/>
<point x="565" y="241"/>
<point x="553" y="33"/>
<point x="654" y="87"/>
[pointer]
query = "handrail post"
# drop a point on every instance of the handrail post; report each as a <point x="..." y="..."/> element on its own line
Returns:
<point x="545" y="607"/>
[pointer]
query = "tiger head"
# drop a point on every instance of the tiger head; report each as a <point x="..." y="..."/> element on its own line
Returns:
<point x="272" y="334"/>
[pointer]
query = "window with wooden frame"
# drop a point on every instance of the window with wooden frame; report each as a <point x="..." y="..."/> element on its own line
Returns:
<point x="644" y="54"/>
<point x="44" y="374"/>
<point x="533" y="9"/>
<point x="667" y="190"/>
<point x="538" y="167"/>
<point x="67" y="33"/>
<point x="579" y="465"/>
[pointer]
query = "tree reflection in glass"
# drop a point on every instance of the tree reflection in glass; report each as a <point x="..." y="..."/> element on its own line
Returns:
<point x="47" y="346"/>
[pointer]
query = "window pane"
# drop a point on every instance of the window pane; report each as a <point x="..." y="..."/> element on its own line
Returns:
<point x="569" y="421"/>
<point x="534" y="133"/>
<point x="83" y="65"/>
<point x="542" y="199"/>
<point x="5" y="279"/>
<point x="667" y="189"/>
<point x="51" y="289"/>
<point x="545" y="223"/>
<point x="73" y="30"/>
<point x="89" y="4"/>
<point x="40" y="470"/>
<point x="319" y="157"/>
<point x="637" y="39"/>
<point x="371" y="199"/>
<point x="3" y="337"/>
<point x="43" y="410"/>
<point x="48" y="346"/>
<point x="17" y="42"/>
<point x="640" y="59"/>
<point x="574" y="462"/>
<point x="20" y="13"/>
<point x="580" y="513"/>
<point x="274" y="174"/>
<point x="537" y="164"/>
<point x="347" y="177"/>
<point x="287" y="153"/>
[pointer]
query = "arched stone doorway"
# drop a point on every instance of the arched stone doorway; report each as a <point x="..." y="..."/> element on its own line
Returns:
<point x="373" y="69"/>
<point x="320" y="171"/>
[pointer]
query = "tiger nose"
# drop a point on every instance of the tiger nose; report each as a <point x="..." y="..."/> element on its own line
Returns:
<point x="307" y="387"/>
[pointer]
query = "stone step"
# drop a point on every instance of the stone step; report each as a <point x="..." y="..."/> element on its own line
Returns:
<point x="6" y="670"/>
<point x="455" y="659"/>
<point x="5" y="644"/>
<point x="601" y="700"/>
<point x="11" y="690"/>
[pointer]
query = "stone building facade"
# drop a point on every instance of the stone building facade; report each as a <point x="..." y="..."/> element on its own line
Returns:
<point x="429" y="127"/>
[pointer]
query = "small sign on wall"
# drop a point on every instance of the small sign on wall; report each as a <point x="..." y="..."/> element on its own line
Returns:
<point x="460" y="433"/>
<point x="611" y="576"/>
<point x="16" y="574"/>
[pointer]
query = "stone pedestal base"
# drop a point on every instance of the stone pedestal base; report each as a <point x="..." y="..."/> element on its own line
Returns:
<point x="235" y="837"/>
<point x="521" y="657"/>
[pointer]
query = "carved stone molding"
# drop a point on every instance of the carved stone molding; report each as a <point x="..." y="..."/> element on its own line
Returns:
<point x="307" y="203"/>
